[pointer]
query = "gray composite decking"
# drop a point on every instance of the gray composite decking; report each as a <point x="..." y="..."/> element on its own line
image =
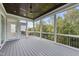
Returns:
<point x="34" y="46"/>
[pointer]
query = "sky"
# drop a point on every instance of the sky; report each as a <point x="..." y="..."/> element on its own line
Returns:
<point x="61" y="14"/>
<point x="46" y="19"/>
<point x="77" y="7"/>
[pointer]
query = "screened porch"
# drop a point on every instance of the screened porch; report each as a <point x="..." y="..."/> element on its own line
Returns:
<point x="55" y="33"/>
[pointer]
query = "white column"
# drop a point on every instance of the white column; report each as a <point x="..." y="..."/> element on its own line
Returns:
<point x="26" y="29"/>
<point x="55" y="28"/>
<point x="33" y="25"/>
<point x="18" y="29"/>
<point x="6" y="28"/>
<point x="40" y="28"/>
<point x="0" y="30"/>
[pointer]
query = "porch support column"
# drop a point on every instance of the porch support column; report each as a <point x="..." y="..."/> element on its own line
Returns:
<point x="55" y="28"/>
<point x="0" y="30"/>
<point x="33" y="25"/>
<point x="40" y="28"/>
<point x="27" y="29"/>
<point x="18" y="29"/>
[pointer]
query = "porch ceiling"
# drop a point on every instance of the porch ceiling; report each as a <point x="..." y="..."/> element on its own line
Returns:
<point x="31" y="10"/>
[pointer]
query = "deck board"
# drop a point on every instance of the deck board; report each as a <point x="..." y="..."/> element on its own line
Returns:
<point x="35" y="46"/>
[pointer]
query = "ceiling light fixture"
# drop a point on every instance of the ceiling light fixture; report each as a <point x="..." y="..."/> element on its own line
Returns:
<point x="14" y="11"/>
<point x="24" y="14"/>
<point x="30" y="8"/>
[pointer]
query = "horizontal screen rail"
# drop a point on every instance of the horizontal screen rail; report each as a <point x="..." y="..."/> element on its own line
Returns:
<point x="39" y="32"/>
<point x="75" y="36"/>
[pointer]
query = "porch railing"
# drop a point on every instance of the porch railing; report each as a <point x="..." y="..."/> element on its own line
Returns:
<point x="70" y="40"/>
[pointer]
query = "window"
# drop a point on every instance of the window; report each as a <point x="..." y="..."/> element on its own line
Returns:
<point x="37" y="28"/>
<point x="48" y="24"/>
<point x="68" y="21"/>
<point x="68" y="25"/>
<point x="13" y="28"/>
<point x="37" y="25"/>
<point x="48" y="27"/>
<point x="30" y="26"/>
<point x="23" y="27"/>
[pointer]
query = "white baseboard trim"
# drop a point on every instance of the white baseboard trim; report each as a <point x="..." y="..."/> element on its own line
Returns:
<point x="5" y="43"/>
<point x="2" y="45"/>
<point x="11" y="40"/>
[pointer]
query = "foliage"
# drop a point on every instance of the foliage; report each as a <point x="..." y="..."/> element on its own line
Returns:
<point x="68" y="24"/>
